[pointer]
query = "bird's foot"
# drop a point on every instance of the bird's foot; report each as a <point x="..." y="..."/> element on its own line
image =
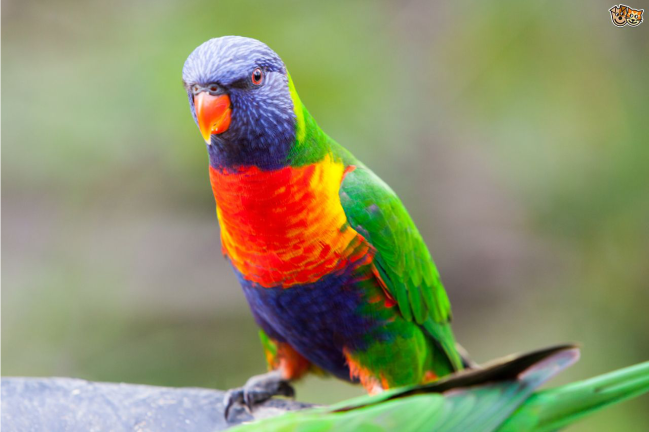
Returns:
<point x="257" y="389"/>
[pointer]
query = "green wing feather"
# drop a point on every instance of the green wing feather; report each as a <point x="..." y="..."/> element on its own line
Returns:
<point x="555" y="408"/>
<point x="475" y="401"/>
<point x="402" y="258"/>
<point x="498" y="398"/>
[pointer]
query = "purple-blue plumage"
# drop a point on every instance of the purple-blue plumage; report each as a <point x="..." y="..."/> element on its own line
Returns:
<point x="320" y="318"/>
<point x="263" y="119"/>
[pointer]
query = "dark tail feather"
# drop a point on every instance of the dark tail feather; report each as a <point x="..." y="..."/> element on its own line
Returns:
<point x="509" y="368"/>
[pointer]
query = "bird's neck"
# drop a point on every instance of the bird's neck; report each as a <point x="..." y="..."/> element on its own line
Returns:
<point x="275" y="149"/>
<point x="298" y="143"/>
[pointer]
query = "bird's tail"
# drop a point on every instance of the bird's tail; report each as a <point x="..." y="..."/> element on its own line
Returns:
<point x="555" y="408"/>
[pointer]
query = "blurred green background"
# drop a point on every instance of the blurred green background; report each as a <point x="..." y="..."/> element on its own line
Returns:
<point x="515" y="132"/>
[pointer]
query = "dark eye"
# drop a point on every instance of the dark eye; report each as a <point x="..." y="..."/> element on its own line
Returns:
<point x="196" y="89"/>
<point x="213" y="88"/>
<point x="257" y="76"/>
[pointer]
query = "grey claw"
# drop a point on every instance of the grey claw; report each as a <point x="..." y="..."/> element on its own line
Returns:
<point x="252" y="397"/>
<point x="258" y="389"/>
<point x="232" y="398"/>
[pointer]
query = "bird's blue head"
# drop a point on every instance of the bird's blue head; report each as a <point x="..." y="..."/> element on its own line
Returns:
<point x="240" y="97"/>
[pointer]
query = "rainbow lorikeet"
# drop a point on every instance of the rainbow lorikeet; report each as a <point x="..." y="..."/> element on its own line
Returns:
<point x="502" y="397"/>
<point x="336" y="274"/>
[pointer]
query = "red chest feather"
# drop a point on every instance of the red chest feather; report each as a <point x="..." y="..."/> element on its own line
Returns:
<point x="285" y="227"/>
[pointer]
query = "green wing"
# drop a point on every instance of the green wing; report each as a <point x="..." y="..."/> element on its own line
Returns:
<point x="555" y="408"/>
<point x="477" y="401"/>
<point x="402" y="258"/>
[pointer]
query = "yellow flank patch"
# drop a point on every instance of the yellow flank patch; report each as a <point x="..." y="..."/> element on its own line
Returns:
<point x="300" y="131"/>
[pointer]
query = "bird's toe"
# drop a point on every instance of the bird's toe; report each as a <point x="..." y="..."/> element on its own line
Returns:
<point x="256" y="391"/>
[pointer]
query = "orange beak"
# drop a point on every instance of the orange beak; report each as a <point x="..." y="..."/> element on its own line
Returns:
<point x="212" y="113"/>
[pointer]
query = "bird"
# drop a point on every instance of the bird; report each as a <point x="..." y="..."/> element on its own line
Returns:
<point x="500" y="397"/>
<point x="337" y="276"/>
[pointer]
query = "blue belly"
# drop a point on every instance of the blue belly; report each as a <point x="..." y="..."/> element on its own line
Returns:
<point x="319" y="319"/>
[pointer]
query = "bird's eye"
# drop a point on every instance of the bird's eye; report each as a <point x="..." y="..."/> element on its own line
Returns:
<point x="196" y="89"/>
<point x="257" y="76"/>
<point x="213" y="88"/>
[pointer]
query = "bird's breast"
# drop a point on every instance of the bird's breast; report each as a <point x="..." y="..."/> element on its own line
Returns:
<point x="286" y="227"/>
